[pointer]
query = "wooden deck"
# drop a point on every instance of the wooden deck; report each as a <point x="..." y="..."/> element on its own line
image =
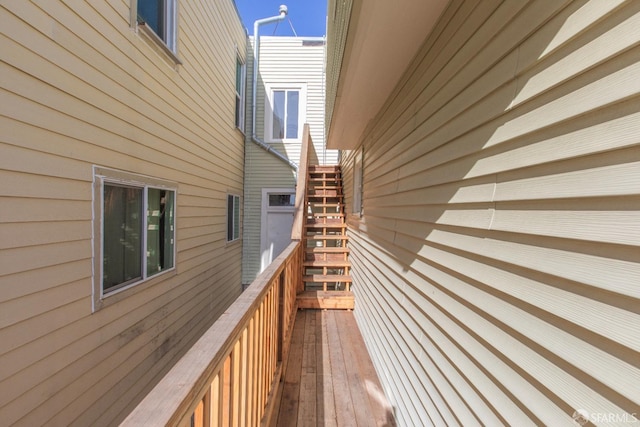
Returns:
<point x="329" y="379"/>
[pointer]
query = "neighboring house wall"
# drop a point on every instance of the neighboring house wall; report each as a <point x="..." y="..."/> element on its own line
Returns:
<point x="284" y="62"/>
<point x="496" y="264"/>
<point x="80" y="87"/>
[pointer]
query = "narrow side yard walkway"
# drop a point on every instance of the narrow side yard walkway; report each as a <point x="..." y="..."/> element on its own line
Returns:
<point x="330" y="380"/>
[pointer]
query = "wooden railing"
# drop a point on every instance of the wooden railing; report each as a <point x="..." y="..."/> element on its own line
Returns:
<point x="230" y="376"/>
<point x="306" y="151"/>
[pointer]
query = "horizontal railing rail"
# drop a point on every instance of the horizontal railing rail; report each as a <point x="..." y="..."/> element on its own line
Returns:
<point x="230" y="376"/>
<point x="301" y="184"/>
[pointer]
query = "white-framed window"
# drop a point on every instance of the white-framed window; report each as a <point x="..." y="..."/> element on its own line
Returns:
<point x="358" y="167"/>
<point x="233" y="217"/>
<point x="241" y="74"/>
<point x="159" y="16"/>
<point x="134" y="230"/>
<point x="285" y="113"/>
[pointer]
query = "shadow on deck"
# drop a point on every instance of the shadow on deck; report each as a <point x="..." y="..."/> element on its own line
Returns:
<point x="330" y="379"/>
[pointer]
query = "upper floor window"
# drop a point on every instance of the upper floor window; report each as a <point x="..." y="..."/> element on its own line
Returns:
<point x="136" y="227"/>
<point x="233" y="217"/>
<point x="286" y="113"/>
<point x="160" y="17"/>
<point x="358" y="168"/>
<point x="240" y="92"/>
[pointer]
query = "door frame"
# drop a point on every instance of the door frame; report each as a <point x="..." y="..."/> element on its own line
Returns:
<point x="264" y="211"/>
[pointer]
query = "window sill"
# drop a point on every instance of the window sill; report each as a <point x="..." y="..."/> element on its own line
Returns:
<point x="233" y="242"/>
<point x="158" y="45"/>
<point x="121" y="294"/>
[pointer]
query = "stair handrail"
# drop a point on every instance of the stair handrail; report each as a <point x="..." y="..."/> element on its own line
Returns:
<point x="301" y="184"/>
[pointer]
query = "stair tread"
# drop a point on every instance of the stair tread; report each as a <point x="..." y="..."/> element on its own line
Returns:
<point x="325" y="225"/>
<point x="327" y="250"/>
<point x="323" y="167"/>
<point x="325" y="219"/>
<point x="325" y="174"/>
<point x="326" y="300"/>
<point x="324" y="196"/>
<point x="321" y="220"/>
<point x="332" y="180"/>
<point x="326" y="256"/>
<point x="325" y="294"/>
<point x="330" y="263"/>
<point x="327" y="237"/>
<point x="327" y="278"/>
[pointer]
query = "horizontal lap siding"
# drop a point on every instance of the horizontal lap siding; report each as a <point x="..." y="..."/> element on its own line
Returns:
<point x="293" y="60"/>
<point x="497" y="261"/>
<point x="80" y="88"/>
<point x="283" y="61"/>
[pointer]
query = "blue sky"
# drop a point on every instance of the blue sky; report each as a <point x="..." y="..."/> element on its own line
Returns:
<point x="308" y="17"/>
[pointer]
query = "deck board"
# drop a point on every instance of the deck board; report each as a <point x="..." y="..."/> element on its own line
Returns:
<point x="326" y="403"/>
<point x="307" y="407"/>
<point x="291" y="390"/>
<point x="345" y="413"/>
<point x="361" y="404"/>
<point x="330" y="380"/>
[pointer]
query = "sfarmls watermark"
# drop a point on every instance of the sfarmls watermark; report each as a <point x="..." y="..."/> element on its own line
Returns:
<point x="582" y="417"/>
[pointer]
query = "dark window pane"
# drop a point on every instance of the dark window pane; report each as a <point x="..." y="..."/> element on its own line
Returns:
<point x="167" y="224"/>
<point x="229" y="217"/>
<point x="159" y="230"/>
<point x="233" y="217"/>
<point x="238" y="75"/>
<point x="122" y="252"/>
<point x="236" y="217"/>
<point x="281" y="200"/>
<point x="239" y="94"/>
<point x="152" y="13"/>
<point x="293" y="101"/>
<point x="278" y="114"/>
<point x="238" y="111"/>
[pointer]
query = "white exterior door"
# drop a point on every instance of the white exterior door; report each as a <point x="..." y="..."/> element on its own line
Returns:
<point x="277" y="219"/>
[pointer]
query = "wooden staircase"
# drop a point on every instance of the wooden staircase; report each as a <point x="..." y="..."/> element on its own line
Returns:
<point x="326" y="266"/>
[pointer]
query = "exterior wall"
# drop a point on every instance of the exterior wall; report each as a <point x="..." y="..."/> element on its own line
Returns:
<point x="80" y="87"/>
<point x="283" y="60"/>
<point x="497" y="259"/>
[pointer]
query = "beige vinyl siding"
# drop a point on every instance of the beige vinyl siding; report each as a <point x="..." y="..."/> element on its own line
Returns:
<point x="283" y="61"/>
<point x="497" y="262"/>
<point x="295" y="61"/>
<point x="79" y="87"/>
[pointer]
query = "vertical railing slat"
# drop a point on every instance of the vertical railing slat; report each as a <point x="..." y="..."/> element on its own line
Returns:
<point x="244" y="369"/>
<point x="216" y="402"/>
<point x="235" y="386"/>
<point x="226" y="392"/>
<point x="261" y="342"/>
